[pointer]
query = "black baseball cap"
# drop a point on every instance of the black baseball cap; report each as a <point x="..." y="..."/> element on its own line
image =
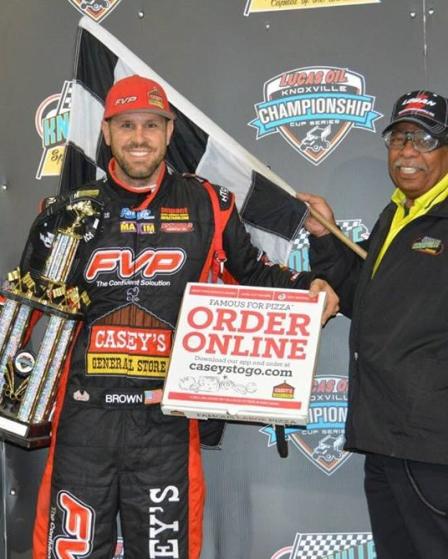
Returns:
<point x="425" y="108"/>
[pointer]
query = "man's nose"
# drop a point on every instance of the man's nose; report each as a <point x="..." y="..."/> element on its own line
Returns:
<point x="139" y="134"/>
<point x="409" y="149"/>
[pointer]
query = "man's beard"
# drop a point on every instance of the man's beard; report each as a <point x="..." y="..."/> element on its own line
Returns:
<point x="140" y="172"/>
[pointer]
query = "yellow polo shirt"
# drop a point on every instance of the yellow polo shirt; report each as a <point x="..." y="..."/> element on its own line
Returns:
<point x="404" y="215"/>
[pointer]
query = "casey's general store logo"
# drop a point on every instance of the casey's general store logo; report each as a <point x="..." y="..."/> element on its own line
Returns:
<point x="95" y="9"/>
<point x="314" y="108"/>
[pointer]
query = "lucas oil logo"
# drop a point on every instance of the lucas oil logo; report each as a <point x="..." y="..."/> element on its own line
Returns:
<point x="329" y="545"/>
<point x="95" y="9"/>
<point x="354" y="229"/>
<point x="323" y="440"/>
<point x="52" y="121"/>
<point x="314" y="108"/>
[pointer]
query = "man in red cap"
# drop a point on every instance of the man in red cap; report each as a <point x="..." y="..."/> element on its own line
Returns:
<point x="113" y="451"/>
<point x="398" y="394"/>
<point x="138" y="124"/>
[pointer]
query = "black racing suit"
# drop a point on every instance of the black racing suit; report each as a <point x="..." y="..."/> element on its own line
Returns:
<point x="112" y="449"/>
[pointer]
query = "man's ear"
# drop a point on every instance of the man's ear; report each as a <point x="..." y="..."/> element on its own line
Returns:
<point x="169" y="131"/>
<point x="105" y="128"/>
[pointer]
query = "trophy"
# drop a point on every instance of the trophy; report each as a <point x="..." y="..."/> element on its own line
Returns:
<point x="29" y="379"/>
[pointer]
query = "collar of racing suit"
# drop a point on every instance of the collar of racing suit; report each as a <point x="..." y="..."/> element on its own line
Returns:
<point x="145" y="195"/>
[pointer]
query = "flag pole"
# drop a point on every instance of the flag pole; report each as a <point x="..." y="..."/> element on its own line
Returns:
<point x="337" y="233"/>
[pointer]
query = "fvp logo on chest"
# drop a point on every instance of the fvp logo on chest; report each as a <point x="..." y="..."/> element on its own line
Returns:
<point x="149" y="263"/>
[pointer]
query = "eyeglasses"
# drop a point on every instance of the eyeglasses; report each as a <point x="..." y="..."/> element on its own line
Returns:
<point x="421" y="140"/>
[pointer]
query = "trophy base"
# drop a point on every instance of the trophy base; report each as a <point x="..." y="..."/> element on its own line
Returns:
<point x="24" y="434"/>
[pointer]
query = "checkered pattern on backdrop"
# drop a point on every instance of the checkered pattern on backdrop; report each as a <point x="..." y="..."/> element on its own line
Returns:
<point x="325" y="546"/>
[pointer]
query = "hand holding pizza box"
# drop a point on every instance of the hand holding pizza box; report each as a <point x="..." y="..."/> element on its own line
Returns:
<point x="244" y="353"/>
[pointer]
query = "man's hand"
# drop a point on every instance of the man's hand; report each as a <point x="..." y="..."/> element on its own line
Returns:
<point x="320" y="205"/>
<point x="332" y="301"/>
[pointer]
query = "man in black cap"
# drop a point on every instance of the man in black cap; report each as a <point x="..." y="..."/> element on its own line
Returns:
<point x="397" y="299"/>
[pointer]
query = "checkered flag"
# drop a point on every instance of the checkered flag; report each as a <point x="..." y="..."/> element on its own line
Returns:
<point x="267" y="204"/>
<point x="65" y="100"/>
<point x="325" y="546"/>
<point x="302" y="241"/>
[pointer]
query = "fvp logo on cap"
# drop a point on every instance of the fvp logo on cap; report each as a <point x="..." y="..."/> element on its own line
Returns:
<point x="137" y="93"/>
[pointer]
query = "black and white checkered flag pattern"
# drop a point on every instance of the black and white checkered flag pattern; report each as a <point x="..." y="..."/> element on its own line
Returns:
<point x="326" y="546"/>
<point x="267" y="204"/>
<point x="346" y="226"/>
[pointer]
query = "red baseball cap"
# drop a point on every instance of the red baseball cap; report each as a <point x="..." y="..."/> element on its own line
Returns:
<point x="136" y="93"/>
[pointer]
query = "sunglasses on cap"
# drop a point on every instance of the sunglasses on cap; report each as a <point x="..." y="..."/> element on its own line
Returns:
<point x="421" y="140"/>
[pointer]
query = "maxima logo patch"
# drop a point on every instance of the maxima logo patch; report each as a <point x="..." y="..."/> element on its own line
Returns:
<point x="314" y="108"/>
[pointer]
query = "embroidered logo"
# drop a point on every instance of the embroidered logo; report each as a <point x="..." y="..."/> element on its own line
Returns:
<point x="428" y="245"/>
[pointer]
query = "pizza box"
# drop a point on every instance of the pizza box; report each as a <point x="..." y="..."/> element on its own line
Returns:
<point x="244" y="353"/>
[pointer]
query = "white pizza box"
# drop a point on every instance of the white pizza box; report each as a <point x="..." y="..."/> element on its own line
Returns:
<point x="244" y="353"/>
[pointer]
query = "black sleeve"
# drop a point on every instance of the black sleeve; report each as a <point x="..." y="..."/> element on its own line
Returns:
<point x="39" y="244"/>
<point x="250" y="266"/>
<point x="40" y="238"/>
<point x="339" y="265"/>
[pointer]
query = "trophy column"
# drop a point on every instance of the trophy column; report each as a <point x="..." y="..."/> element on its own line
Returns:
<point x="28" y="380"/>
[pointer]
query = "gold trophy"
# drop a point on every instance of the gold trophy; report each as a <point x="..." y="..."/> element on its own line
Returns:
<point x="28" y="380"/>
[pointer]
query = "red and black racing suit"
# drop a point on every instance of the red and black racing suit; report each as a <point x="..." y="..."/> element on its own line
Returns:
<point x="112" y="448"/>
